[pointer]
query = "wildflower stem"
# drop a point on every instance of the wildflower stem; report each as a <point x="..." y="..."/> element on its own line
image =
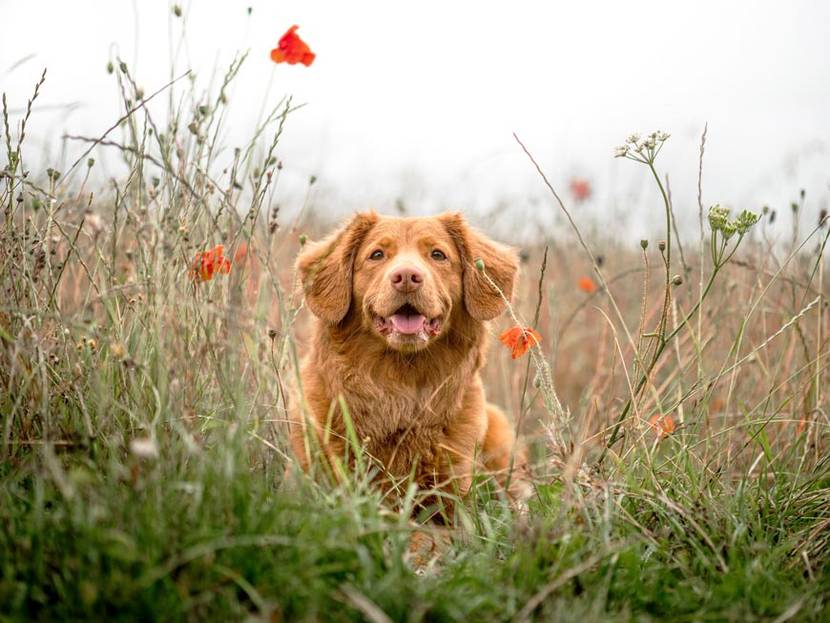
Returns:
<point x="667" y="296"/>
<point x="661" y="346"/>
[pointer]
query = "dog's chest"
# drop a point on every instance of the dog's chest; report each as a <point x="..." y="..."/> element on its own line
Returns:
<point x="382" y="412"/>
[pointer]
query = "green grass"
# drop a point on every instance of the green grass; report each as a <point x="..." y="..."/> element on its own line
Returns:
<point x="210" y="536"/>
<point x="144" y="468"/>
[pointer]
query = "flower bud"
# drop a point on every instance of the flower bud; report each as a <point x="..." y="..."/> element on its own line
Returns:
<point x="177" y="10"/>
<point x="661" y="245"/>
<point x="677" y="280"/>
<point x="479" y="264"/>
<point x="644" y="244"/>
<point x="303" y="239"/>
<point x="718" y="217"/>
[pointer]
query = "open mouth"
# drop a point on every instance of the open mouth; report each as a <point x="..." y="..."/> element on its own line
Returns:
<point x="408" y="323"/>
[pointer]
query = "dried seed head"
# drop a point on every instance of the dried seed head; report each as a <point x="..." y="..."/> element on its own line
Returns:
<point x="118" y="350"/>
<point x="273" y="223"/>
<point x="677" y="280"/>
<point x="661" y="245"/>
<point x="177" y="10"/>
<point x="644" y="244"/>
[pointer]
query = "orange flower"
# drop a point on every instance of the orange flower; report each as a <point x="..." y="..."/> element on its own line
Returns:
<point x="518" y="340"/>
<point x="580" y="189"/>
<point x="208" y="263"/>
<point x="586" y="284"/>
<point x="663" y="425"/>
<point x="292" y="50"/>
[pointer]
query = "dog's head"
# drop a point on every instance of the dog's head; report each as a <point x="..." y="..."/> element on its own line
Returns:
<point x="406" y="280"/>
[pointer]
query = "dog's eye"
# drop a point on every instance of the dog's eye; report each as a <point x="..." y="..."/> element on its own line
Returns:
<point x="438" y="255"/>
<point x="377" y="254"/>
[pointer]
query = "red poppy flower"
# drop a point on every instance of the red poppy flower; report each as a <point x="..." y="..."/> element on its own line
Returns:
<point x="292" y="50"/>
<point x="580" y="189"/>
<point x="519" y="339"/>
<point x="663" y="425"/>
<point x="208" y="263"/>
<point x="586" y="284"/>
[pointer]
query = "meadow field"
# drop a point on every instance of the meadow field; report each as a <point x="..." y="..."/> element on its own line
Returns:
<point x="676" y="410"/>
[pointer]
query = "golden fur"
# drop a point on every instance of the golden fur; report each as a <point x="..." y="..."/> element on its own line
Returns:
<point x="416" y="400"/>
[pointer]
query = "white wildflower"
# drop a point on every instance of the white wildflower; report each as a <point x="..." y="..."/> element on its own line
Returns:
<point x="144" y="448"/>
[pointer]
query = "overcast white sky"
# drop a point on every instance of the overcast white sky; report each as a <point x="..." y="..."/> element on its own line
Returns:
<point x="420" y="99"/>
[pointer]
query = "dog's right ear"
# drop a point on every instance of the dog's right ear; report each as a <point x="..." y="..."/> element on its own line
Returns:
<point x="326" y="267"/>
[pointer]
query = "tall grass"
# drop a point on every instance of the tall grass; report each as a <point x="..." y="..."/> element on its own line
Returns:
<point x="143" y="412"/>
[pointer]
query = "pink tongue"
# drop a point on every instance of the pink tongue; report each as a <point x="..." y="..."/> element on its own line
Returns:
<point x="407" y="324"/>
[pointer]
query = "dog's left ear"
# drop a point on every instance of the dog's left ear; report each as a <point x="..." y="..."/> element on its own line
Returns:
<point x="326" y="268"/>
<point x="482" y="300"/>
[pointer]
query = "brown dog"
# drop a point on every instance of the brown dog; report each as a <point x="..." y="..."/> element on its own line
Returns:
<point x="400" y="337"/>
